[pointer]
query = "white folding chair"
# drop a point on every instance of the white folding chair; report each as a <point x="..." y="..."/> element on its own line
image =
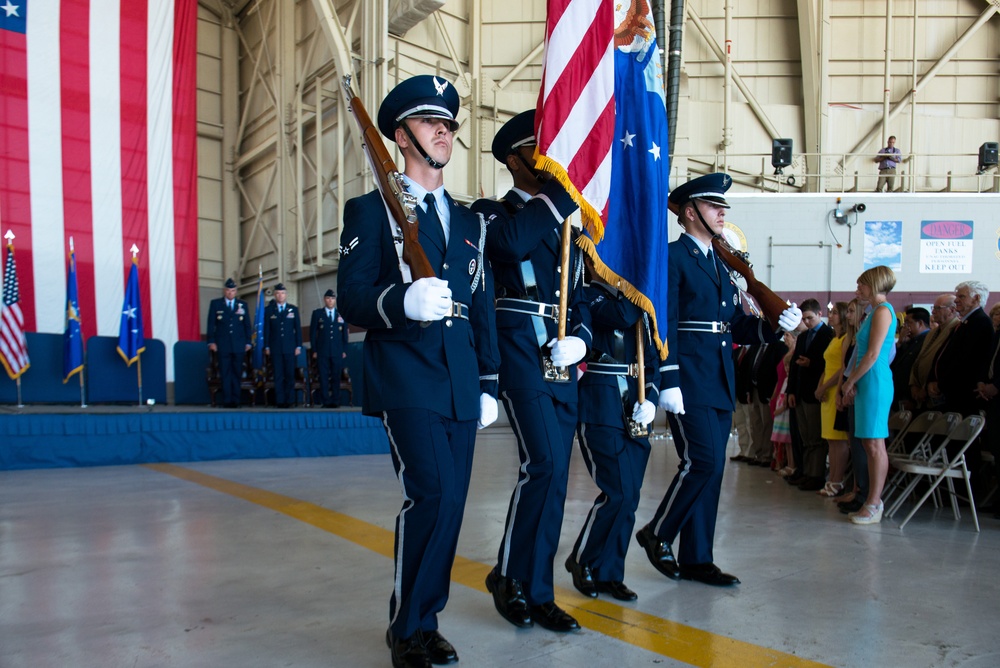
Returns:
<point x="940" y="466"/>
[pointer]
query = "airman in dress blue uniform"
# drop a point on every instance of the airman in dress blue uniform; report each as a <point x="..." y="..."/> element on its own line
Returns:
<point x="705" y="317"/>
<point x="613" y="450"/>
<point x="283" y="343"/>
<point x="523" y="238"/>
<point x="229" y="336"/>
<point x="328" y="333"/>
<point x="430" y="356"/>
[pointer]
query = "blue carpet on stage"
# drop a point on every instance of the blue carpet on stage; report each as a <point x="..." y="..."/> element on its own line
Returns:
<point x="52" y="440"/>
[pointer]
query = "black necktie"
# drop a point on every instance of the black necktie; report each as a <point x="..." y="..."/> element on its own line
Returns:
<point x="809" y="338"/>
<point x="432" y="222"/>
<point x="711" y="258"/>
<point x="229" y="305"/>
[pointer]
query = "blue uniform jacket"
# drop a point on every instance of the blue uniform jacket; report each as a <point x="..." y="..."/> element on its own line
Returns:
<point x="442" y="367"/>
<point x="600" y="396"/>
<point x="328" y="337"/>
<point x="282" y="332"/>
<point x="229" y="330"/>
<point x="701" y="363"/>
<point x="532" y="233"/>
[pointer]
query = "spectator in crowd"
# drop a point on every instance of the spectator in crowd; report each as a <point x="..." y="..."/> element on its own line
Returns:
<point x="961" y="362"/>
<point x="988" y="391"/>
<point x="995" y="315"/>
<point x="803" y="379"/>
<point x="763" y="379"/>
<point x="826" y="393"/>
<point x="781" y="435"/>
<point x="851" y="501"/>
<point x="869" y="385"/>
<point x="944" y="319"/>
<point x="742" y="365"/>
<point x="888" y="159"/>
<point x="917" y="324"/>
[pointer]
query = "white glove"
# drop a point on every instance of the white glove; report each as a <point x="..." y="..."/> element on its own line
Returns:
<point x="427" y="299"/>
<point x="790" y="318"/>
<point x="644" y="413"/>
<point x="567" y="352"/>
<point x="488" y="411"/>
<point x="672" y="401"/>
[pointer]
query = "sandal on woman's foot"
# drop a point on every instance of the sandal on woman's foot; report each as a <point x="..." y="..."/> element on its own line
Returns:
<point x="831" y="489"/>
<point x="868" y="514"/>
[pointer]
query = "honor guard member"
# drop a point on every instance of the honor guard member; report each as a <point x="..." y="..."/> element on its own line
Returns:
<point x="613" y="436"/>
<point x="228" y="336"/>
<point x="523" y="239"/>
<point x="697" y="387"/>
<point x="282" y="343"/>
<point x="328" y="332"/>
<point x="430" y="356"/>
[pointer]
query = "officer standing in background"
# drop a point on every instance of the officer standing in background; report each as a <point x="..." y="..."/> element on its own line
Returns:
<point x="705" y="318"/>
<point x="328" y="332"/>
<point x="282" y="343"/>
<point x="229" y="336"/>
<point x="430" y="357"/>
<point x="524" y="240"/>
<point x="613" y="449"/>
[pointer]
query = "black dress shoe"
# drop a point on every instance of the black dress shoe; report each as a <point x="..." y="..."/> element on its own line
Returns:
<point x="583" y="579"/>
<point x="658" y="552"/>
<point x="440" y="651"/>
<point x="795" y="478"/>
<point x="708" y="574"/>
<point x="408" y="652"/>
<point x="508" y="597"/>
<point x="617" y="589"/>
<point x="850" y="506"/>
<point x="550" y="616"/>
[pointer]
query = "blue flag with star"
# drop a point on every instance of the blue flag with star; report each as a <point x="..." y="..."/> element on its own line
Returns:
<point x="14" y="15"/>
<point x="72" y="336"/>
<point x="131" y="340"/>
<point x="632" y="255"/>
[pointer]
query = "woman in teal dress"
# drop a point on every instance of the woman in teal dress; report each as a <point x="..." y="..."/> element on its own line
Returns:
<point x="869" y="385"/>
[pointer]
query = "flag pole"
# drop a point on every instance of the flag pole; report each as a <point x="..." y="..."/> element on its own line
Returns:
<point x="640" y="360"/>
<point x="567" y="231"/>
<point x="83" y="396"/>
<point x="138" y="366"/>
<point x="20" y="404"/>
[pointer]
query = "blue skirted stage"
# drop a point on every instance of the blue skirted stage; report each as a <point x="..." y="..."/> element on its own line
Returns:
<point x="52" y="437"/>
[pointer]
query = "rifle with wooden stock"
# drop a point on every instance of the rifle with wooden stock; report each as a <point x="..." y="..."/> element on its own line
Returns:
<point x="401" y="203"/>
<point x="770" y="303"/>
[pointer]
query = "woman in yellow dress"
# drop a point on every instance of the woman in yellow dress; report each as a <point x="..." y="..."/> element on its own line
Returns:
<point x="826" y="393"/>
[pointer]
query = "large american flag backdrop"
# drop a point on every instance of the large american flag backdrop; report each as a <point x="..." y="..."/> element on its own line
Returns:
<point x="97" y="141"/>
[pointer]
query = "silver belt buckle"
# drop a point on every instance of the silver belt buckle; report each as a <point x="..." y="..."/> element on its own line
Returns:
<point x="456" y="309"/>
<point x="555" y="310"/>
<point x="633" y="370"/>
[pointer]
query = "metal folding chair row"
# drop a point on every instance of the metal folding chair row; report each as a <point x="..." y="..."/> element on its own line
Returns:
<point x="935" y="465"/>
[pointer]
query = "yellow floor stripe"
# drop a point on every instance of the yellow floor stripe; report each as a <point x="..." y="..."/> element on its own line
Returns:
<point x="655" y="634"/>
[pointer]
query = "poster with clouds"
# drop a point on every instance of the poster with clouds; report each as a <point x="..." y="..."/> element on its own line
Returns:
<point x="884" y="243"/>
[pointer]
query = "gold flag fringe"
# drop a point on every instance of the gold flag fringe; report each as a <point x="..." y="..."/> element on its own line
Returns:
<point x="630" y="291"/>
<point x="591" y="217"/>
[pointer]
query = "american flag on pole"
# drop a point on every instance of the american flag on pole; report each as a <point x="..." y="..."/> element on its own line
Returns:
<point x="97" y="141"/>
<point x="13" y="346"/>
<point x="131" y="342"/>
<point x="73" y="334"/>
<point x="618" y="163"/>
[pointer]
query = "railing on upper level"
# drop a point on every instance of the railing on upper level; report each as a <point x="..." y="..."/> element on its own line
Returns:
<point x="841" y="172"/>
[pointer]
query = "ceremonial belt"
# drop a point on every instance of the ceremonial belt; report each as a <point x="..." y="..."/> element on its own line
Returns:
<point x="528" y="307"/>
<point x="458" y="310"/>
<point x="613" y="369"/>
<point x="708" y="326"/>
